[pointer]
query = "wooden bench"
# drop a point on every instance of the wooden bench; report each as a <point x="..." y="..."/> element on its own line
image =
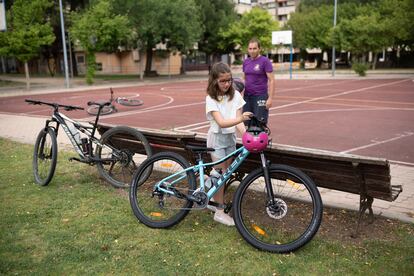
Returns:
<point x="366" y="176"/>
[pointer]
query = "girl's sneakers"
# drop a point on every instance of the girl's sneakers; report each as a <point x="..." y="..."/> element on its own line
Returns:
<point x="223" y="218"/>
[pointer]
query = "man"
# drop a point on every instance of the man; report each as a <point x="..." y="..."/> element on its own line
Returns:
<point x="259" y="82"/>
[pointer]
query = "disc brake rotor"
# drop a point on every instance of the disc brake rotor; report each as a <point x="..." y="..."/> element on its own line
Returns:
<point x="277" y="210"/>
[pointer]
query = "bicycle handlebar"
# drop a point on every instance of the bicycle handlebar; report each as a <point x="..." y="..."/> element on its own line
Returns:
<point x="257" y="125"/>
<point x="54" y="105"/>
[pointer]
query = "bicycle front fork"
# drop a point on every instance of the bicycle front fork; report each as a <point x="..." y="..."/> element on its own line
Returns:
<point x="268" y="181"/>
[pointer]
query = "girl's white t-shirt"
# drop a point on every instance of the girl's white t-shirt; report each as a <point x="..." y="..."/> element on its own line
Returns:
<point x="228" y="110"/>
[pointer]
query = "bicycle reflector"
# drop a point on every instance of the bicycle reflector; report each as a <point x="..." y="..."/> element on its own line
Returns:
<point x="255" y="142"/>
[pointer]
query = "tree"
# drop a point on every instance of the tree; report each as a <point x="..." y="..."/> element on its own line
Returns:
<point x="364" y="33"/>
<point x="27" y="31"/>
<point x="216" y="15"/>
<point x="99" y="29"/>
<point x="311" y="28"/>
<point x="256" y="23"/>
<point x="52" y="53"/>
<point x="363" y="26"/>
<point x="176" y="23"/>
<point x="398" y="17"/>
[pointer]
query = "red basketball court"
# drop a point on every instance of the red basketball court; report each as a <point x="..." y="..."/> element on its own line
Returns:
<point x="356" y="116"/>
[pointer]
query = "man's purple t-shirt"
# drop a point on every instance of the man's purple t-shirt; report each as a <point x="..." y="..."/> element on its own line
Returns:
<point x="255" y="73"/>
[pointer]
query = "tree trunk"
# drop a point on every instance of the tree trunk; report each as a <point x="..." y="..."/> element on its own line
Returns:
<point x="374" y="61"/>
<point x="148" y="64"/>
<point x="51" y="66"/>
<point x="90" y="66"/>
<point x="26" y="71"/>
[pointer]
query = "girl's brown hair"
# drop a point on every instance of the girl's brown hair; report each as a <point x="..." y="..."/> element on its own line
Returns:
<point x="213" y="89"/>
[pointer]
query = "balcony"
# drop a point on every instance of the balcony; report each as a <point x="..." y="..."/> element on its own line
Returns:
<point x="285" y="10"/>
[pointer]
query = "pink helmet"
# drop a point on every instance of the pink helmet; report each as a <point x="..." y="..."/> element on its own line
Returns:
<point x="255" y="142"/>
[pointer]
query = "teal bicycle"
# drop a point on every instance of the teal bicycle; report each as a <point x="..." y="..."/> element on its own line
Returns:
<point x="276" y="208"/>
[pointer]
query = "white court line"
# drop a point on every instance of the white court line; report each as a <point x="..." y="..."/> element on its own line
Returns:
<point x="343" y="109"/>
<point x="172" y="89"/>
<point x="401" y="162"/>
<point x="152" y="109"/>
<point x="311" y="100"/>
<point x="170" y="100"/>
<point x="313" y="86"/>
<point x="196" y="124"/>
<point x="206" y="124"/>
<point x="375" y="143"/>
<point x="337" y="94"/>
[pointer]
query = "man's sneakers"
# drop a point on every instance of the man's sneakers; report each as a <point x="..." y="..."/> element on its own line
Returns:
<point x="223" y="218"/>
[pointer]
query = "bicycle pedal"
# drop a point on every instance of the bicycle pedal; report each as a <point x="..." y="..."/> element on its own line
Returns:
<point x="77" y="159"/>
<point x="228" y="207"/>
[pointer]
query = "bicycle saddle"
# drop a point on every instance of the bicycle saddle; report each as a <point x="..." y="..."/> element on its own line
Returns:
<point x="101" y="104"/>
<point x="198" y="148"/>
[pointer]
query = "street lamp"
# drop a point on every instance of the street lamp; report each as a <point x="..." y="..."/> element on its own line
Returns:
<point x="65" y="56"/>
<point x="333" y="47"/>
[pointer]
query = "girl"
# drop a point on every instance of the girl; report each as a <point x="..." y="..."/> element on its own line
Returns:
<point x="224" y="111"/>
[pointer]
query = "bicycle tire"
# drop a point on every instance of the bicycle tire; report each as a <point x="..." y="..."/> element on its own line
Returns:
<point x="161" y="210"/>
<point x="120" y="170"/>
<point x="45" y="156"/>
<point x="93" y="110"/>
<point x="129" y="102"/>
<point x="285" y="226"/>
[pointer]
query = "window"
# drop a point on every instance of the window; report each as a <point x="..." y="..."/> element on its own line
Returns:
<point x="80" y="59"/>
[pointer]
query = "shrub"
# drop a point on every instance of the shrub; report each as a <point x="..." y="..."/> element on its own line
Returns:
<point x="237" y="62"/>
<point x="360" y="69"/>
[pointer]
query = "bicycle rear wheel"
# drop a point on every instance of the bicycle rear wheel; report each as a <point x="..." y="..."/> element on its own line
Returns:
<point x="288" y="223"/>
<point x="156" y="208"/>
<point x="122" y="149"/>
<point x="93" y="110"/>
<point x="129" y="102"/>
<point x="45" y="156"/>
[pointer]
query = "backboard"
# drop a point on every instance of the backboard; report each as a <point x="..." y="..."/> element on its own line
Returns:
<point x="282" y="37"/>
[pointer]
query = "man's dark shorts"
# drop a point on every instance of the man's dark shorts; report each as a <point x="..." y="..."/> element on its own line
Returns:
<point x="257" y="105"/>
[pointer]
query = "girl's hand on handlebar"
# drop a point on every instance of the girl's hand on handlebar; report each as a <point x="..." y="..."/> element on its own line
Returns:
<point x="246" y="116"/>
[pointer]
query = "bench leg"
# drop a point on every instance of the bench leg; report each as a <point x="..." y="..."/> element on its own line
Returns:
<point x="365" y="203"/>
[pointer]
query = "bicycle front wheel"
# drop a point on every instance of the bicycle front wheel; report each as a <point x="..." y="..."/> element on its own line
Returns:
<point x="283" y="224"/>
<point x="156" y="208"/>
<point x="122" y="149"/>
<point x="45" y="156"/>
<point x="129" y="102"/>
<point x="93" y="110"/>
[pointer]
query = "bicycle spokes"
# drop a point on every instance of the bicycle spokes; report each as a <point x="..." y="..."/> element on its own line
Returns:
<point x="282" y="223"/>
<point x="161" y="198"/>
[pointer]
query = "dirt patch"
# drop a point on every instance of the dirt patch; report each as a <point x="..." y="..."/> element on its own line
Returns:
<point x="340" y="225"/>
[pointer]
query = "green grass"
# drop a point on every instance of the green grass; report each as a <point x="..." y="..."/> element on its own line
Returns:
<point x="81" y="225"/>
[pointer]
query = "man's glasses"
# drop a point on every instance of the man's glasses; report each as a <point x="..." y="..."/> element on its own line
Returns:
<point x="225" y="81"/>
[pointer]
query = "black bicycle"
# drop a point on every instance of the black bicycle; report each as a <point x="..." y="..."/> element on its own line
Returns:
<point x="116" y="162"/>
<point x="108" y="109"/>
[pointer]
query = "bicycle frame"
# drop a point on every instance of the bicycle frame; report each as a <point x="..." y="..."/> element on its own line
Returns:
<point x="89" y="131"/>
<point x="62" y="119"/>
<point x="242" y="155"/>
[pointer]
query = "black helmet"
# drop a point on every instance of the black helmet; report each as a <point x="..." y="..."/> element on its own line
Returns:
<point x="238" y="84"/>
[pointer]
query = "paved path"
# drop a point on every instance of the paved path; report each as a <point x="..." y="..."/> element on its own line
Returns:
<point x="24" y="129"/>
